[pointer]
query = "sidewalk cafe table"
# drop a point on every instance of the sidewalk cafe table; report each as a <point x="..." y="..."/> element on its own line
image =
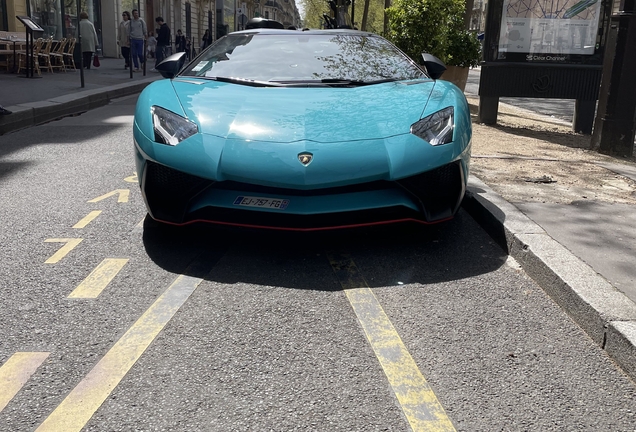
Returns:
<point x="15" y="42"/>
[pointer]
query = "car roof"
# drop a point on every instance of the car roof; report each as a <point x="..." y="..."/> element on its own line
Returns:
<point x="269" y="31"/>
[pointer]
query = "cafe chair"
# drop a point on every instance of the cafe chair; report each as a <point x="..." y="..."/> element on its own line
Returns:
<point x="69" y="59"/>
<point x="57" y="55"/>
<point x="24" y="55"/>
<point x="44" y="55"/>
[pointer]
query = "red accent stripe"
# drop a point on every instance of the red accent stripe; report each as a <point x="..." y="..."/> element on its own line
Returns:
<point x="368" y="224"/>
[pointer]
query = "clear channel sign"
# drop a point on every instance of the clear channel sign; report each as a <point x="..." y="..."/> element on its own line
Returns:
<point x="542" y="28"/>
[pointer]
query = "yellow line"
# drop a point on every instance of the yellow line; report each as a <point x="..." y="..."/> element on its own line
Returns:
<point x="132" y="179"/>
<point x="64" y="250"/>
<point x="87" y="219"/>
<point x="16" y="371"/>
<point x="82" y="402"/>
<point x="100" y="277"/>
<point x="418" y="401"/>
<point x="122" y="196"/>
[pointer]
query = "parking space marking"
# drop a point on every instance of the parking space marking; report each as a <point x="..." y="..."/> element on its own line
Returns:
<point x="87" y="219"/>
<point x="64" y="250"/>
<point x="418" y="401"/>
<point x="100" y="277"/>
<point x="82" y="402"/>
<point x="122" y="196"/>
<point x="15" y="373"/>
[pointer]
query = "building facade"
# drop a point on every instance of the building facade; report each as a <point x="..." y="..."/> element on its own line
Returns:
<point x="58" y="18"/>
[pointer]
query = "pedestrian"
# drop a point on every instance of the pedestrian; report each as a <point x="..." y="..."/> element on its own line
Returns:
<point x="4" y="111"/>
<point x="188" y="48"/>
<point x="138" y="32"/>
<point x="152" y="45"/>
<point x="206" y="41"/>
<point x="163" y="41"/>
<point x="88" y="39"/>
<point x="180" y="42"/>
<point x="123" y="38"/>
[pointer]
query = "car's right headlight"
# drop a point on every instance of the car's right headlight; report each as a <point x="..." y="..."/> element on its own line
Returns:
<point x="171" y="128"/>
<point x="436" y="128"/>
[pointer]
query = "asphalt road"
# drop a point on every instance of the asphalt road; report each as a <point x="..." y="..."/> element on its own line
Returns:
<point x="209" y="330"/>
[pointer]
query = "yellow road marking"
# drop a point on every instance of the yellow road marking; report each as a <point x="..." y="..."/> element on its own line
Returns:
<point x="132" y="179"/>
<point x="15" y="373"/>
<point x="418" y="401"/>
<point x="64" y="250"/>
<point x="87" y="219"/>
<point x="100" y="277"/>
<point x="122" y="196"/>
<point x="82" y="402"/>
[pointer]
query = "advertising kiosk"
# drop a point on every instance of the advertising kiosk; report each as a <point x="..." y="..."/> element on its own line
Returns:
<point x="544" y="49"/>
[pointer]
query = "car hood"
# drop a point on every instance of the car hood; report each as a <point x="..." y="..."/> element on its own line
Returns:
<point x="289" y="114"/>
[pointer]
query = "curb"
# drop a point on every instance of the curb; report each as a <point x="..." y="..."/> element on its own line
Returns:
<point x="35" y="113"/>
<point x="607" y="315"/>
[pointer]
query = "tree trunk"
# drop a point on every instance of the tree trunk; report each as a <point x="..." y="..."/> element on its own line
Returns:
<point x="469" y="11"/>
<point x="387" y="4"/>
<point x="364" y="15"/>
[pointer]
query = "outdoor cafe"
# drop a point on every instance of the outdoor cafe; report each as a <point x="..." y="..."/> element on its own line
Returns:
<point x="19" y="53"/>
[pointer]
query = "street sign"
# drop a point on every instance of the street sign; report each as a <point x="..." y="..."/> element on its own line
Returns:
<point x="239" y="11"/>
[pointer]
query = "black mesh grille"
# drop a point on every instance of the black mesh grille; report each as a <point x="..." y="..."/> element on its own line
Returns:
<point x="168" y="191"/>
<point x="439" y="191"/>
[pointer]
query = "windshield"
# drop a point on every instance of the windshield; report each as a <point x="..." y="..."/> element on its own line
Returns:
<point x="300" y="57"/>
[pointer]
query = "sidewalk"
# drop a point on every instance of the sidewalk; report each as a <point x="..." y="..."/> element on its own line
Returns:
<point x="38" y="100"/>
<point x="567" y="215"/>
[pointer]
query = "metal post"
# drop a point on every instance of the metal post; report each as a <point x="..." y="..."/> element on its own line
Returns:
<point x="614" y="126"/>
<point x="130" y="64"/>
<point x="79" y="39"/>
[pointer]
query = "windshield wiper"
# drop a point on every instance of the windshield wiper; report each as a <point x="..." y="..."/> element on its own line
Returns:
<point x="243" y="81"/>
<point x="341" y="81"/>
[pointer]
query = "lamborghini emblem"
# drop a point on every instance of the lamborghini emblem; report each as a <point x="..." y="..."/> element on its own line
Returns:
<point x="305" y="158"/>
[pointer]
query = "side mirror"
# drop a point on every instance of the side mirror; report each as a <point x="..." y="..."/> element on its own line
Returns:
<point x="434" y="66"/>
<point x="171" y="65"/>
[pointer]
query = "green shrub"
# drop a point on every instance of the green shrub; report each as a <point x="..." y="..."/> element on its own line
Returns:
<point x="435" y="27"/>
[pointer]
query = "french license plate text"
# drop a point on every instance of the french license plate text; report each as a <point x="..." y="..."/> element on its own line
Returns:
<point x="261" y="202"/>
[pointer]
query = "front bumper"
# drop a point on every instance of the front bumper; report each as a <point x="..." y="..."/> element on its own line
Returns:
<point x="178" y="198"/>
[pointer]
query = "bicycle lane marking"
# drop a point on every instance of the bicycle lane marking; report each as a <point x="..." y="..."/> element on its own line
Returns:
<point x="421" y="407"/>
<point x="15" y="372"/>
<point x="85" y="399"/>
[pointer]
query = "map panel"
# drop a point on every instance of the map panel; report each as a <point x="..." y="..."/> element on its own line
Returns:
<point x="549" y="27"/>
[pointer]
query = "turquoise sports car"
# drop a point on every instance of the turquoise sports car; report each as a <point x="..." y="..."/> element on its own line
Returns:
<point x="302" y="130"/>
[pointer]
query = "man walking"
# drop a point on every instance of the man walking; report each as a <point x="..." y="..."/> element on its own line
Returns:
<point x="138" y="32"/>
<point x="163" y="41"/>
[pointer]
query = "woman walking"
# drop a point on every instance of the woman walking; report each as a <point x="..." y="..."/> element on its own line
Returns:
<point x="206" y="41"/>
<point x="88" y="39"/>
<point x="123" y="38"/>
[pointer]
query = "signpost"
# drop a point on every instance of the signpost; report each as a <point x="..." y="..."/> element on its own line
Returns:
<point x="30" y="27"/>
<point x="614" y="128"/>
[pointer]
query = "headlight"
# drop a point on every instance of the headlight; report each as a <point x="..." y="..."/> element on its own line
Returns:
<point x="437" y="128"/>
<point x="171" y="128"/>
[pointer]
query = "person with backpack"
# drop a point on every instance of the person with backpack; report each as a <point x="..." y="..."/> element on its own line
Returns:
<point x="163" y="41"/>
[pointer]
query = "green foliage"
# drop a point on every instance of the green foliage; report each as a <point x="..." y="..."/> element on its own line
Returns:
<point x="435" y="27"/>
<point x="375" y="21"/>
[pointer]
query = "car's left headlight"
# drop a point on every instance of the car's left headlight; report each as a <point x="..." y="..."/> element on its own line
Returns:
<point x="171" y="128"/>
<point x="436" y="128"/>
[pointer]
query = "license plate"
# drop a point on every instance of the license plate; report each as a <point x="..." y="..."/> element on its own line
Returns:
<point x="261" y="202"/>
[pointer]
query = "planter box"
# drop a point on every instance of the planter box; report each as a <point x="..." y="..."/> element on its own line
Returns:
<point x="456" y="75"/>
